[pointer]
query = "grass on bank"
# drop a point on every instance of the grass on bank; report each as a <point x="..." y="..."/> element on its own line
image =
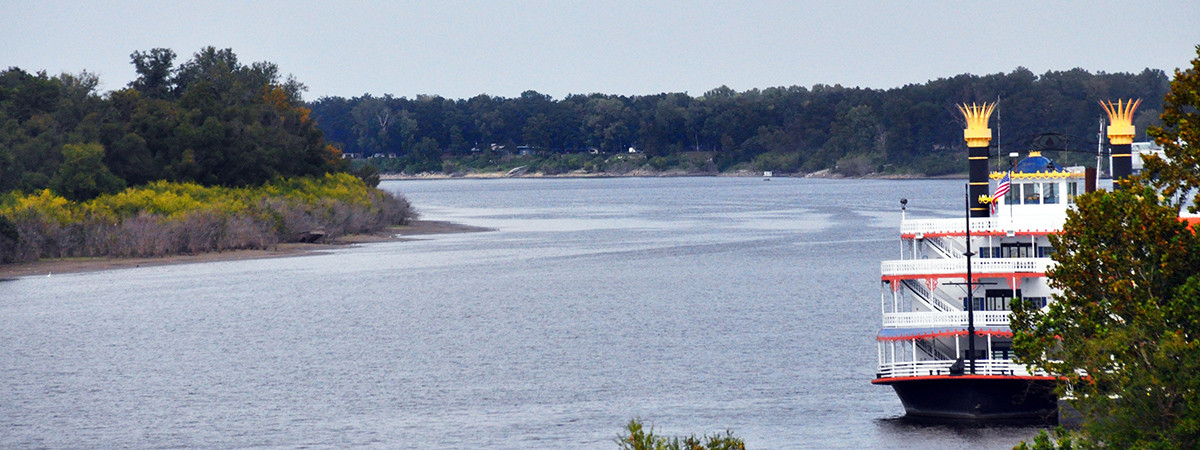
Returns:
<point x="164" y="218"/>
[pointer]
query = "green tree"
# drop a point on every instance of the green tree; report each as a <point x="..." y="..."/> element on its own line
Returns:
<point x="8" y="230"/>
<point x="373" y="117"/>
<point x="860" y="139"/>
<point x="1124" y="334"/>
<point x="1179" y="136"/>
<point x="224" y="123"/>
<point x="83" y="175"/>
<point x="424" y="157"/>
<point x="154" y="69"/>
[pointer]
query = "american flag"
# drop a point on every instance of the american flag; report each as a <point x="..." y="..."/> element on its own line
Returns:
<point x="1001" y="189"/>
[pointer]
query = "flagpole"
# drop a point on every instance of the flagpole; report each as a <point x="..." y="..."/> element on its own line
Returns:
<point x="1012" y="163"/>
<point x="970" y="289"/>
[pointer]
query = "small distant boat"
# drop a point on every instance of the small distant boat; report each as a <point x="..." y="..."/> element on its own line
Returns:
<point x="767" y="175"/>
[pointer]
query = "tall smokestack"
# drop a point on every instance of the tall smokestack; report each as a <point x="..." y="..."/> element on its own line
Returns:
<point x="1120" y="138"/>
<point x="978" y="136"/>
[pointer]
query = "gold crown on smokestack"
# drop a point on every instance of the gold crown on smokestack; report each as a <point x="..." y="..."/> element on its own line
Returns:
<point x="1120" y="119"/>
<point x="977" y="133"/>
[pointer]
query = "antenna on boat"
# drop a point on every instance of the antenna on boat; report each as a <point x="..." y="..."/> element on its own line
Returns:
<point x="997" y="140"/>
<point x="970" y="288"/>
<point x="1012" y="167"/>
<point x="903" y="206"/>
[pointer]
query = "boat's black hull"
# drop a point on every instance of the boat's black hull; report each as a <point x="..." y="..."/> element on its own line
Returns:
<point x="970" y="398"/>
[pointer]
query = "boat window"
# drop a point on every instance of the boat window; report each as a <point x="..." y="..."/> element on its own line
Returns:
<point x="1013" y="197"/>
<point x="1002" y="352"/>
<point x="978" y="303"/>
<point x="997" y="304"/>
<point x="1050" y="193"/>
<point x="1016" y="250"/>
<point x="1036" y="302"/>
<point x="1072" y="191"/>
<point x="1033" y="195"/>
<point x="985" y="252"/>
<point x="1045" y="251"/>
<point x="999" y="299"/>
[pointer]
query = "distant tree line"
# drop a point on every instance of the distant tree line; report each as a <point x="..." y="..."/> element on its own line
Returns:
<point x="911" y="129"/>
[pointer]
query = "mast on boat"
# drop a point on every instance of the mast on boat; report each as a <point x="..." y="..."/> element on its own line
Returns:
<point x="970" y="289"/>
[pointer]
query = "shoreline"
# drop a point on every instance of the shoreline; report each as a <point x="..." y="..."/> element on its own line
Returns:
<point x="647" y="174"/>
<point x="47" y="267"/>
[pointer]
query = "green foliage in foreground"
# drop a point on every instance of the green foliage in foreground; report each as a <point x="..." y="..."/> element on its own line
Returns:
<point x="643" y="439"/>
<point x="164" y="218"/>
<point x="1124" y="334"/>
<point x="1060" y="439"/>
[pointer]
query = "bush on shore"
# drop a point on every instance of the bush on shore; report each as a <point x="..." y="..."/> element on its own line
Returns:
<point x="165" y="218"/>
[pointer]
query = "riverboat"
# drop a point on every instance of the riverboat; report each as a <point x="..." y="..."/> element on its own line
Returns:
<point x="946" y="353"/>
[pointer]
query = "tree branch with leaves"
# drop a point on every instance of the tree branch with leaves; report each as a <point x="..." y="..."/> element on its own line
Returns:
<point x="1123" y="335"/>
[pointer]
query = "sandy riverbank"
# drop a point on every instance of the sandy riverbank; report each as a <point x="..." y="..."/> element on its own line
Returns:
<point x="73" y="265"/>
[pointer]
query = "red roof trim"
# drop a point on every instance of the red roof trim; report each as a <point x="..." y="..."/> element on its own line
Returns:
<point x="980" y="233"/>
<point x="943" y="334"/>
<point x="1193" y="222"/>
<point x="977" y="276"/>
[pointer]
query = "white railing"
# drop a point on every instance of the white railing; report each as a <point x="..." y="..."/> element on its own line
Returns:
<point x="944" y="319"/>
<point x="959" y="266"/>
<point x="933" y="301"/>
<point x="931" y="349"/>
<point x="1026" y="224"/>
<point x="942" y="367"/>
<point x="946" y="248"/>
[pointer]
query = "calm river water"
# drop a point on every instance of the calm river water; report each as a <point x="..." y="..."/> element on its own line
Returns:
<point x="695" y="304"/>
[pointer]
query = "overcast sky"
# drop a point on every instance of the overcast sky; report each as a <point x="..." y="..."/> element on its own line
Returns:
<point x="458" y="49"/>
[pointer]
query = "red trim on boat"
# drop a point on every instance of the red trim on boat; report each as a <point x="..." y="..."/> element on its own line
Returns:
<point x="960" y="377"/>
<point x="976" y="276"/>
<point x="1193" y="222"/>
<point x="943" y="334"/>
<point x="979" y="233"/>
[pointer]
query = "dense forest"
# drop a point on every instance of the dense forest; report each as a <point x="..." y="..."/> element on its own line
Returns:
<point x="213" y="120"/>
<point x="912" y="129"/>
<point x="208" y="155"/>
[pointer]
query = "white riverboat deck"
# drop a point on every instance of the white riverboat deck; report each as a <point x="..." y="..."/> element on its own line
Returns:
<point x="955" y="319"/>
<point x="958" y="266"/>
<point x="1029" y="224"/>
<point x="1000" y="367"/>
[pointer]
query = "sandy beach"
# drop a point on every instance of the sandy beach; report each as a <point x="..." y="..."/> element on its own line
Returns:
<point x="73" y="265"/>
